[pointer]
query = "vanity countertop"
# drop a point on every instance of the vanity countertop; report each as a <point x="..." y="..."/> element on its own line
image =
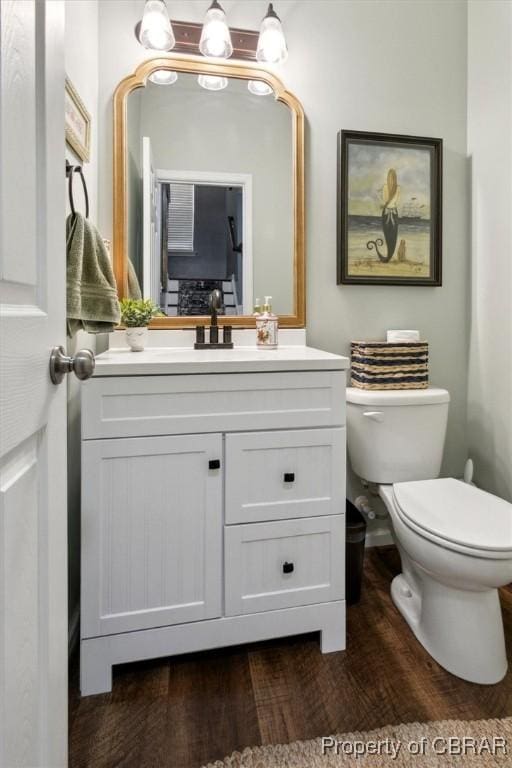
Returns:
<point x="176" y="360"/>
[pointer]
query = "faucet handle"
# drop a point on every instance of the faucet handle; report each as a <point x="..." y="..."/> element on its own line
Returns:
<point x="214" y="304"/>
<point x="215" y="299"/>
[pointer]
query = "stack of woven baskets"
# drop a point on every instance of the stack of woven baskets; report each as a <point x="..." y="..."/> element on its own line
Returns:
<point x="389" y="365"/>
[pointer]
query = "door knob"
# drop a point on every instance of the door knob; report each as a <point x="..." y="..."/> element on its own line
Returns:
<point x="82" y="364"/>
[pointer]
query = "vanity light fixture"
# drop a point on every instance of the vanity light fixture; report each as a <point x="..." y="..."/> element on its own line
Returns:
<point x="163" y="77"/>
<point x="155" y="29"/>
<point x="259" y="88"/>
<point x="215" y="36"/>
<point x="212" y="82"/>
<point x="271" y="42"/>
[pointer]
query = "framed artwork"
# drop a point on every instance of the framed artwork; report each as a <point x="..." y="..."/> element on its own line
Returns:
<point x="77" y="123"/>
<point x="389" y="209"/>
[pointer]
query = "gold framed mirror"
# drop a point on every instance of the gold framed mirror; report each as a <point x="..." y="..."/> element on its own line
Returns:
<point x="277" y="265"/>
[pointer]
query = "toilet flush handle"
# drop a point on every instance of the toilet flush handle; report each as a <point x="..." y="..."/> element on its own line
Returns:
<point x="374" y="415"/>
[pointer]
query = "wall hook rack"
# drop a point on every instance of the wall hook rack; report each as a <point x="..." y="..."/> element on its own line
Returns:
<point x="70" y="171"/>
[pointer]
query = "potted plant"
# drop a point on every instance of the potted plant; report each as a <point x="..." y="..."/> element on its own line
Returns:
<point x="136" y="315"/>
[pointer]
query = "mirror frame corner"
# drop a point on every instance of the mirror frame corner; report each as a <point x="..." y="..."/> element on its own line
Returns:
<point x="245" y="71"/>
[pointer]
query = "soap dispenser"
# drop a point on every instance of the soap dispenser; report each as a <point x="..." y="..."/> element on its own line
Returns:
<point x="267" y="326"/>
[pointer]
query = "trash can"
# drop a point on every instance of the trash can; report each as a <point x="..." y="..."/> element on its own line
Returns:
<point x="354" y="552"/>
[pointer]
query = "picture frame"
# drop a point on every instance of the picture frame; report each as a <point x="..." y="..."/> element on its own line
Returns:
<point x="389" y="209"/>
<point x="77" y="123"/>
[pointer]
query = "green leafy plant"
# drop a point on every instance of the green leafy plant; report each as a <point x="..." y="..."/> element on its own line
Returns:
<point x="137" y="313"/>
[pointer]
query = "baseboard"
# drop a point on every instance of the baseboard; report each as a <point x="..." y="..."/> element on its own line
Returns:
<point x="99" y="654"/>
<point x="379" y="538"/>
<point x="73" y="630"/>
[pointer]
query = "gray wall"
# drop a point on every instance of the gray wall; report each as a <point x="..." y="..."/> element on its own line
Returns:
<point x="392" y="66"/>
<point x="395" y="67"/>
<point x="134" y="183"/>
<point x="490" y="150"/>
<point x="81" y="54"/>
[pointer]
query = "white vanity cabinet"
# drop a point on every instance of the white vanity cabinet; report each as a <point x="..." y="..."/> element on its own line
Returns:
<point x="213" y="498"/>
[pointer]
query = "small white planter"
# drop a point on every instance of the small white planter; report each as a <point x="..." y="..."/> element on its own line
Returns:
<point x="136" y="338"/>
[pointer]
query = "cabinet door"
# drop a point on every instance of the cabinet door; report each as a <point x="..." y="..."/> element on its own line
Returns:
<point x="151" y="532"/>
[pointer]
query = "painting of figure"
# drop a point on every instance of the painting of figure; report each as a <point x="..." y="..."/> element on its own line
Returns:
<point x="389" y="209"/>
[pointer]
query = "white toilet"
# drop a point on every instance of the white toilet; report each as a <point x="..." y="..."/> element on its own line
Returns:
<point x="455" y="541"/>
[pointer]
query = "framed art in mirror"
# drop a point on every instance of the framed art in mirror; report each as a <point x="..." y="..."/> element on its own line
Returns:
<point x="389" y="209"/>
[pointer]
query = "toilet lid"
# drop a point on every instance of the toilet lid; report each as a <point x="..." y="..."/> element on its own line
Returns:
<point x="457" y="512"/>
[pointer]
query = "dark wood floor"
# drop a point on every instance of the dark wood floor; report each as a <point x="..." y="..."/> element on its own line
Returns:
<point x="186" y="711"/>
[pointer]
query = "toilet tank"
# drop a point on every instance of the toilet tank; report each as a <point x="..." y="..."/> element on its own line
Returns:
<point x="396" y="435"/>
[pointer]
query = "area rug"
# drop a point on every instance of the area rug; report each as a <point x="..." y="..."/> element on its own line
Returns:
<point x="478" y="743"/>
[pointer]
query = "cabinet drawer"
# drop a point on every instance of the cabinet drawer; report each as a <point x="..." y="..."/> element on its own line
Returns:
<point x="284" y="564"/>
<point x="280" y="475"/>
<point x="135" y="406"/>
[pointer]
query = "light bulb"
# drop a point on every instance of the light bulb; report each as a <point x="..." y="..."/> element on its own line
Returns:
<point x="271" y="42"/>
<point x="259" y="88"/>
<point x="212" y="82"/>
<point x="163" y="77"/>
<point x="155" y="28"/>
<point x="215" y="36"/>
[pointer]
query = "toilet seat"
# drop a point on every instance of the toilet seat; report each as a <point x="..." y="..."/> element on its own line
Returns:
<point x="457" y="516"/>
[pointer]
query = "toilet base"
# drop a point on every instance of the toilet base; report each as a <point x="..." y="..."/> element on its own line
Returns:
<point x="462" y="630"/>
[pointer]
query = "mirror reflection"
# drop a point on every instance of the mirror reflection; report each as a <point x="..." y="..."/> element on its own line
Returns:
<point x="210" y="193"/>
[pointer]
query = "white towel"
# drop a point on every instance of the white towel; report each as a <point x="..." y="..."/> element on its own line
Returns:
<point x="395" y="336"/>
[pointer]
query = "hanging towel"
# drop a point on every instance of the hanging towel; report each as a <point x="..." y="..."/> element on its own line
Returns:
<point x="92" y="303"/>
<point x="134" y="291"/>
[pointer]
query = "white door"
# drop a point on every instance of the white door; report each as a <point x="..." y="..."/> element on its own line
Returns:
<point x="150" y="250"/>
<point x="151" y="532"/>
<point x="33" y="573"/>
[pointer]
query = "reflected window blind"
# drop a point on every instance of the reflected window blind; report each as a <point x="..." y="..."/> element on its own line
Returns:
<point x="180" y="222"/>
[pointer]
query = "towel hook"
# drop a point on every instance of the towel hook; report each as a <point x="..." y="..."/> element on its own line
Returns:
<point x="70" y="170"/>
